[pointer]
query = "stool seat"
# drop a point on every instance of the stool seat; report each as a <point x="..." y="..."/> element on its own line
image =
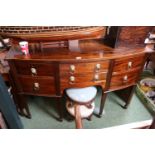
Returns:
<point x="84" y="110"/>
<point x="81" y="94"/>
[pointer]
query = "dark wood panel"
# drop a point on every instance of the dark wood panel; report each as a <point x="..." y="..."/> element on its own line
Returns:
<point x="117" y="36"/>
<point x="133" y="35"/>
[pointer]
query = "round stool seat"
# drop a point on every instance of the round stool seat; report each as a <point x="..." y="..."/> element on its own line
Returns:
<point x="81" y="94"/>
<point x="84" y="110"/>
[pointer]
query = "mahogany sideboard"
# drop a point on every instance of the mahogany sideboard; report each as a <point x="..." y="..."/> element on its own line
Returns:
<point x="50" y="71"/>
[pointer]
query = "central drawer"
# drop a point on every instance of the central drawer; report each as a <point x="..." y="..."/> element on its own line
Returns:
<point x="82" y="80"/>
<point x="100" y="66"/>
<point x="35" y="68"/>
<point x="39" y="86"/>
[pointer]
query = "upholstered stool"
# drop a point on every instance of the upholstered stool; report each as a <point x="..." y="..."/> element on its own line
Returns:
<point x="80" y="103"/>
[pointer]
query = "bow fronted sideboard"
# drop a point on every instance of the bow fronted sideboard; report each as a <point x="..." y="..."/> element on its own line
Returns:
<point x="48" y="72"/>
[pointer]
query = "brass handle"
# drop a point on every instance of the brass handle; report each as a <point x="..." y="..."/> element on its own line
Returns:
<point x="98" y="66"/>
<point x="72" y="78"/>
<point x="36" y="86"/>
<point x="129" y="64"/>
<point x="72" y="68"/>
<point x="33" y="71"/>
<point x="96" y="77"/>
<point x="125" y="78"/>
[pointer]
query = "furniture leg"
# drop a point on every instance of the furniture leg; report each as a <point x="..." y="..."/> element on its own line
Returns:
<point x="78" y="120"/>
<point x="22" y="106"/>
<point x="59" y="107"/>
<point x="126" y="95"/>
<point x="129" y="97"/>
<point x="89" y="118"/>
<point x="25" y="107"/>
<point x="103" y="99"/>
<point x="153" y="124"/>
<point x="17" y="103"/>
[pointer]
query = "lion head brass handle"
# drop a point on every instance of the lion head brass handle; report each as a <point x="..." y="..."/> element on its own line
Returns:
<point x="125" y="78"/>
<point x="96" y="77"/>
<point x="72" y="79"/>
<point x="36" y="86"/>
<point x="33" y="71"/>
<point x="72" y="68"/>
<point x="98" y="66"/>
<point x="129" y="64"/>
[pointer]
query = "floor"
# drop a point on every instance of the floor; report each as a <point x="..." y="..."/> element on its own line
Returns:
<point x="44" y="115"/>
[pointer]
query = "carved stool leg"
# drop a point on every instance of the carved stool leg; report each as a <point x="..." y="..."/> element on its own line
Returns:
<point x="78" y="120"/>
<point x="89" y="118"/>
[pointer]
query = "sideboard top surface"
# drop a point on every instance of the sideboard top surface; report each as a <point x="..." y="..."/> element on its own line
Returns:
<point x="87" y="50"/>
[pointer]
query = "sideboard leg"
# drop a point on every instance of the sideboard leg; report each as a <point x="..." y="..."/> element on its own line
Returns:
<point x="129" y="97"/>
<point x="60" y="108"/>
<point x="153" y="124"/>
<point x="25" y="108"/>
<point x="103" y="99"/>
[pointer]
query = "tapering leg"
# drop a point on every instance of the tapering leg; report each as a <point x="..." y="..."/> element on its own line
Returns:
<point x="153" y="124"/>
<point x="103" y="99"/>
<point x="129" y="97"/>
<point x="24" y="105"/>
<point x="60" y="109"/>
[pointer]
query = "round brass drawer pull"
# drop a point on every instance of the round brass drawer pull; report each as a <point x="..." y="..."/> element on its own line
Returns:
<point x="33" y="71"/>
<point x="129" y="64"/>
<point x="36" y="86"/>
<point x="125" y="78"/>
<point x="98" y="66"/>
<point x="72" y="78"/>
<point x="96" y="77"/>
<point x="72" y="68"/>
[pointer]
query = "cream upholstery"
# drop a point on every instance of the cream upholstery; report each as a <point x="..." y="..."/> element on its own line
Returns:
<point x="84" y="110"/>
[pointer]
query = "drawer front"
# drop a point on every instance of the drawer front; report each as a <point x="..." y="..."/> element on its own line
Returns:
<point x="82" y="80"/>
<point x="37" y="86"/>
<point x="86" y="67"/>
<point x="123" y="80"/>
<point x="127" y="64"/>
<point x="34" y="68"/>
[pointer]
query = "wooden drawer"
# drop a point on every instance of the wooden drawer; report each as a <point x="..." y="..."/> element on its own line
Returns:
<point x="128" y="64"/>
<point x="82" y="80"/>
<point x="124" y="79"/>
<point x="101" y="66"/>
<point x="37" y="86"/>
<point x="34" y="68"/>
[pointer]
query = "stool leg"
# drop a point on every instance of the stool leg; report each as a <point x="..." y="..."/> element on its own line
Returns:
<point x="78" y="120"/>
<point x="89" y="118"/>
